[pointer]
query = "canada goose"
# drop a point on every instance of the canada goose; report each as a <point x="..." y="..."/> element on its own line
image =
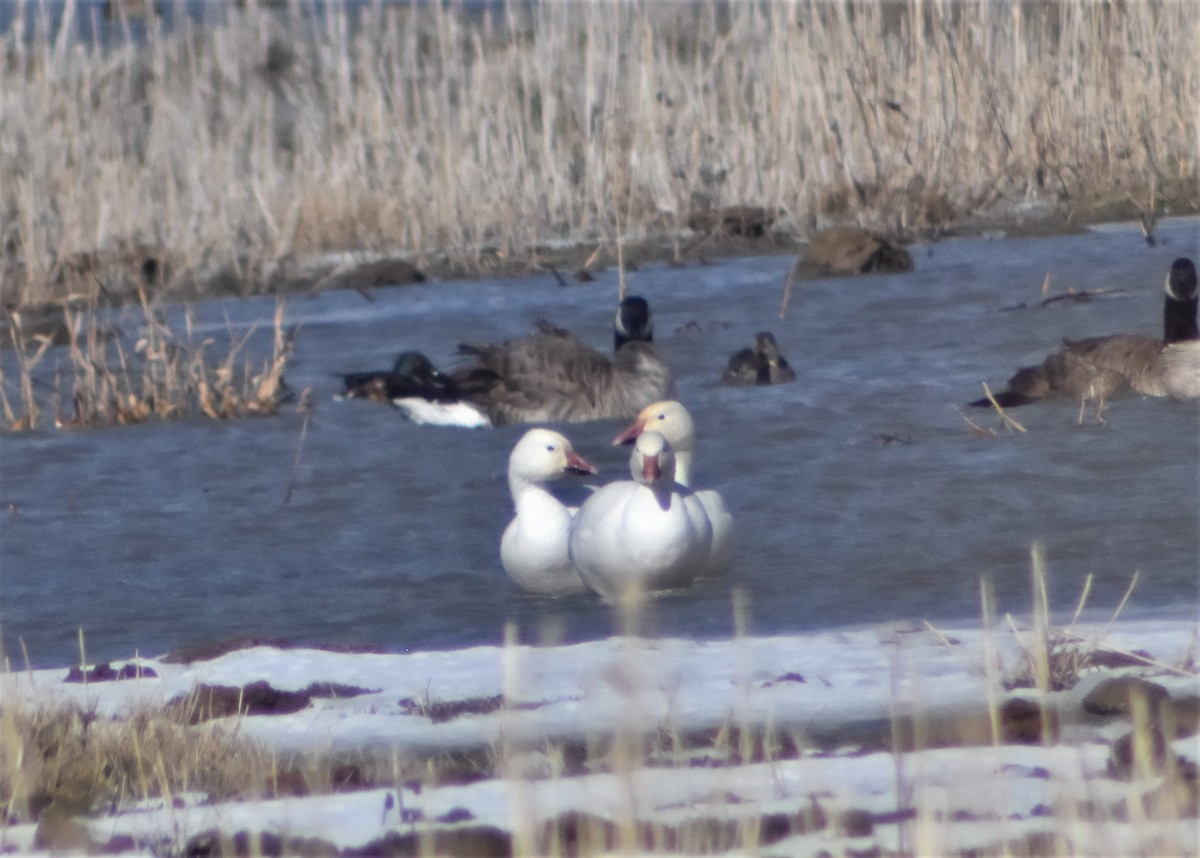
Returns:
<point x="1096" y="367"/>
<point x="533" y="550"/>
<point x="552" y="376"/>
<point x="671" y="420"/>
<point x="762" y="364"/>
<point x="636" y="536"/>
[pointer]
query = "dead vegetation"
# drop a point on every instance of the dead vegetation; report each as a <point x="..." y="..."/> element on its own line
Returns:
<point x="73" y="761"/>
<point x="102" y="379"/>
<point x="209" y="159"/>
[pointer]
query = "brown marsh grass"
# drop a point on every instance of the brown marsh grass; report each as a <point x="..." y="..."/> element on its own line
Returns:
<point x="165" y="374"/>
<point x="73" y="761"/>
<point x="213" y="155"/>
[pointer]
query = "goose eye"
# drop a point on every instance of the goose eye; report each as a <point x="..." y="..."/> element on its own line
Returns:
<point x="550" y="448"/>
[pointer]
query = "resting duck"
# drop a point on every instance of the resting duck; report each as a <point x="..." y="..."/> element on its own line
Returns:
<point x="1096" y="367"/>
<point x="416" y="387"/>
<point x="412" y="375"/>
<point x="637" y="536"/>
<point x="762" y="364"/>
<point x="533" y="550"/>
<point x="552" y="376"/>
<point x="671" y="420"/>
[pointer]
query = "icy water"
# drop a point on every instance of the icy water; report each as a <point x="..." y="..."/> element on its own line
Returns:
<point x="860" y="493"/>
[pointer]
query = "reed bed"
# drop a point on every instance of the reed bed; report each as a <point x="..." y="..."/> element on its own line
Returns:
<point x="101" y="379"/>
<point x="216" y="153"/>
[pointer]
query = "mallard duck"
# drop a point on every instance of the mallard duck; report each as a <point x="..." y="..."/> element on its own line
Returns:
<point x="763" y="364"/>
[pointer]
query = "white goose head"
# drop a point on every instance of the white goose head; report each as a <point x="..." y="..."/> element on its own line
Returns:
<point x="543" y="455"/>
<point x="671" y="420"/>
<point x="653" y="461"/>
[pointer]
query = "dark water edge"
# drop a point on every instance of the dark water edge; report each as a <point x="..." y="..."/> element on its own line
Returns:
<point x="862" y="495"/>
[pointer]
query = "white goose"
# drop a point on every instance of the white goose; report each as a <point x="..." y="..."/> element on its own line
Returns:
<point x="672" y="420"/>
<point x="634" y="537"/>
<point x="533" y="550"/>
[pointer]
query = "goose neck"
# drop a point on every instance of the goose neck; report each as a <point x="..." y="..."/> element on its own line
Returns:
<point x="683" y="466"/>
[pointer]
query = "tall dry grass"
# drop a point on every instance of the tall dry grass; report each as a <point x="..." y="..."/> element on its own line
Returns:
<point x="216" y="152"/>
<point x="104" y="379"/>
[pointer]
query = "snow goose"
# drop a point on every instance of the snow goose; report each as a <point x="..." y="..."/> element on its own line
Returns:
<point x="552" y="376"/>
<point x="673" y="422"/>
<point x="636" y="536"/>
<point x="763" y="364"/>
<point x="1096" y="367"/>
<point x="533" y="550"/>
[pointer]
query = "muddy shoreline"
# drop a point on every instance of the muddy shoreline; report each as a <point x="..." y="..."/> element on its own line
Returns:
<point x="128" y="275"/>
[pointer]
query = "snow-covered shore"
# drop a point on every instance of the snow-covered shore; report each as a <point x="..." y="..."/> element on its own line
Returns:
<point x="881" y="740"/>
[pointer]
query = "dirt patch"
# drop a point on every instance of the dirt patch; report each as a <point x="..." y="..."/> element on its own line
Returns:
<point x="207" y="702"/>
<point x="448" y="710"/>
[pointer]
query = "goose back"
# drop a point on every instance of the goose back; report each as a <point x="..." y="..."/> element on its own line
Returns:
<point x="553" y="376"/>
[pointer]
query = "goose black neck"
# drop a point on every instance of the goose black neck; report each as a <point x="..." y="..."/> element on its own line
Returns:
<point x="1179" y="310"/>
<point x="1179" y="320"/>
<point x="633" y="322"/>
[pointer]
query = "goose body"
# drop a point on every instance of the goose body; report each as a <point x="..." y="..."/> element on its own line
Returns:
<point x="552" y="376"/>
<point x="642" y="535"/>
<point x="534" y="548"/>
<point x="763" y="364"/>
<point x="670" y="419"/>
<point x="1096" y="367"/>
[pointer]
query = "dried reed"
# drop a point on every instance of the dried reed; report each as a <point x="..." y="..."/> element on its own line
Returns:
<point x="216" y="153"/>
<point x="163" y="375"/>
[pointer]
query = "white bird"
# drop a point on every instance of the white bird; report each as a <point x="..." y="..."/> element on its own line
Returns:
<point x="673" y="422"/>
<point x="534" y="549"/>
<point x="636" y="536"/>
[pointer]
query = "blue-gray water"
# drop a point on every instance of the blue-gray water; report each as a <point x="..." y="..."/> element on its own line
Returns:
<point x="155" y="536"/>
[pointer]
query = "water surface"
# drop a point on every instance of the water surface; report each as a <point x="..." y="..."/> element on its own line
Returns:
<point x="860" y="491"/>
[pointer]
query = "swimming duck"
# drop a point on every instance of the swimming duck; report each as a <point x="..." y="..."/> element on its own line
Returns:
<point x="412" y="375"/>
<point x="1096" y="367"/>
<point x="637" y="536"/>
<point x="533" y="549"/>
<point x="552" y="376"/>
<point x="762" y="364"/>
<point x="416" y="387"/>
<point x="672" y="420"/>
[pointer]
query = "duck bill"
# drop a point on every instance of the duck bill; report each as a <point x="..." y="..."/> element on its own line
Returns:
<point x="651" y="469"/>
<point x="576" y="464"/>
<point x="629" y="435"/>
